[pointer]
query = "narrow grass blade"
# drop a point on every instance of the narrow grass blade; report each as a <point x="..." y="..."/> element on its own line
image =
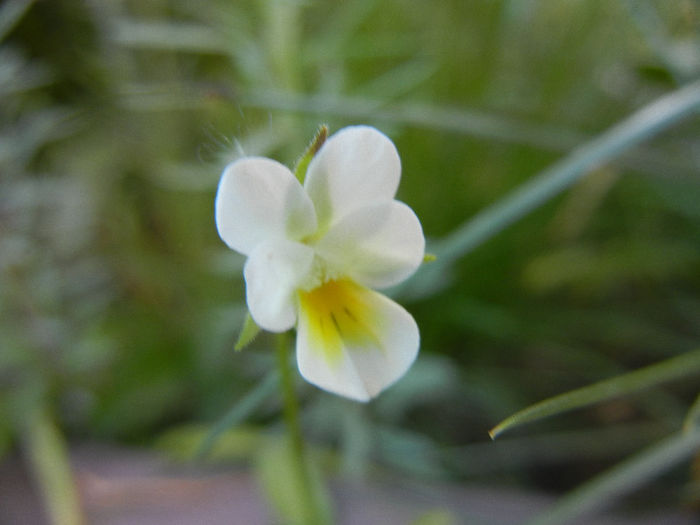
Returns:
<point x="239" y="411"/>
<point x="646" y="122"/>
<point x="621" y="479"/>
<point x="692" y="419"/>
<point x="12" y="12"/>
<point x="49" y="461"/>
<point x="677" y="367"/>
<point x="162" y="35"/>
<point x="458" y="120"/>
<point x="476" y="123"/>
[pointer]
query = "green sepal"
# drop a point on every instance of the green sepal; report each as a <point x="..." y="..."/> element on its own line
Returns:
<point x="249" y="332"/>
<point x="315" y="145"/>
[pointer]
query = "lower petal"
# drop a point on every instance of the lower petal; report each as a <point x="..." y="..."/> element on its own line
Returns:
<point x="353" y="341"/>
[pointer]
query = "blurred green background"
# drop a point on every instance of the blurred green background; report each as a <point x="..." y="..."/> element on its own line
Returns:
<point x="120" y="306"/>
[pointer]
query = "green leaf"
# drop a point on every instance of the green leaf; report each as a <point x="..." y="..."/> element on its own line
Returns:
<point x="622" y="479"/>
<point x="683" y="365"/>
<point x="236" y="444"/>
<point x="279" y="476"/>
<point x="249" y="332"/>
<point x="12" y="12"/>
<point x="435" y="517"/>
<point x="692" y="419"/>
<point x="168" y="36"/>
<point x="641" y="125"/>
<point x="311" y="150"/>
<point x="239" y="412"/>
<point x="49" y="460"/>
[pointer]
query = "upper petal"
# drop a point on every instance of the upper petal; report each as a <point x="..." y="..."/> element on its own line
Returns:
<point x="272" y="274"/>
<point x="356" y="166"/>
<point x="259" y="199"/>
<point x="353" y="341"/>
<point x="378" y="245"/>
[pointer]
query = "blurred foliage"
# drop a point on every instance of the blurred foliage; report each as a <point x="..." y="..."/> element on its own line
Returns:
<point x="120" y="307"/>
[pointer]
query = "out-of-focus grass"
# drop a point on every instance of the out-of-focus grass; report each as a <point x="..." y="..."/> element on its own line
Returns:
<point x="120" y="307"/>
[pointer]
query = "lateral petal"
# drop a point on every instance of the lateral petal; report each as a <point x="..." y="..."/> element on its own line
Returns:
<point x="378" y="245"/>
<point x="259" y="199"/>
<point x="356" y="166"/>
<point x="272" y="273"/>
<point x="353" y="341"/>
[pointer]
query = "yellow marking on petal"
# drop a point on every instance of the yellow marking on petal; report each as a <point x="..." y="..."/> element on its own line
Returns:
<point x="339" y="314"/>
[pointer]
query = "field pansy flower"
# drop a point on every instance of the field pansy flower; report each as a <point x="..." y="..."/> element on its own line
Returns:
<point x="317" y="251"/>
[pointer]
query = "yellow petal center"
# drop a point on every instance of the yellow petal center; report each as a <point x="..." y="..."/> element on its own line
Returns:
<point x="339" y="314"/>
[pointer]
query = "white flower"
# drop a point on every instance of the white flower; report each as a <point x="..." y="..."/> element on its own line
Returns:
<point x="314" y="251"/>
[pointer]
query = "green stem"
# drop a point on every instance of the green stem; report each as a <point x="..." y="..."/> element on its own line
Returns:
<point x="313" y="513"/>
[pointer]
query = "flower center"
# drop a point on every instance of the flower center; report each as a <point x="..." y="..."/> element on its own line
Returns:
<point x="338" y="313"/>
<point x="319" y="274"/>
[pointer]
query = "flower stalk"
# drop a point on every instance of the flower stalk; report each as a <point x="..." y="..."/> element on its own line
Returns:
<point x="312" y="509"/>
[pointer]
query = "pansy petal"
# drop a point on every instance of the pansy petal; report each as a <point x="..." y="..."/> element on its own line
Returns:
<point x="272" y="273"/>
<point x="378" y="245"/>
<point x="259" y="199"/>
<point x="356" y="166"/>
<point x="353" y="341"/>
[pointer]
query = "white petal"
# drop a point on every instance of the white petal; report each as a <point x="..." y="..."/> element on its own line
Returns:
<point x="259" y="199"/>
<point x="378" y="246"/>
<point x="356" y="166"/>
<point x="272" y="273"/>
<point x="353" y="341"/>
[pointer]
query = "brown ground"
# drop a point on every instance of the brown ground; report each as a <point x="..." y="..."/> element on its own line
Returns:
<point x="126" y="487"/>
